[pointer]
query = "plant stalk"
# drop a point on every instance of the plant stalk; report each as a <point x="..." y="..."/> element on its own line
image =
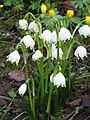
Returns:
<point x="49" y="99"/>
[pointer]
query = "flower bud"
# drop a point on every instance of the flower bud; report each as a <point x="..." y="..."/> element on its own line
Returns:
<point x="43" y="8"/>
<point x="51" y="13"/>
<point x="70" y="13"/>
<point x="22" y="89"/>
<point x="87" y="20"/>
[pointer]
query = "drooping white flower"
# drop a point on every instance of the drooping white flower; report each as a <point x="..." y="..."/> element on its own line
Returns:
<point x="58" y="80"/>
<point x="54" y="37"/>
<point x="23" y="24"/>
<point x="84" y="30"/>
<point x="46" y="35"/>
<point x="33" y="26"/>
<point x="28" y="41"/>
<point x="22" y="89"/>
<point x="80" y="52"/>
<point x="37" y="55"/>
<point x="54" y="53"/>
<point x="14" y="57"/>
<point x="64" y="34"/>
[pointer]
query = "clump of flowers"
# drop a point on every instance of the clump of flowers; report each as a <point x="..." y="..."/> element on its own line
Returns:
<point x="50" y="52"/>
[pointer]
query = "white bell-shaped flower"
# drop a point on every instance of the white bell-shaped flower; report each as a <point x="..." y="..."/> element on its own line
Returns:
<point x="22" y="89"/>
<point x="64" y="34"/>
<point x="54" y="37"/>
<point x="80" y="52"/>
<point x="54" y="53"/>
<point x="46" y="35"/>
<point x="84" y="30"/>
<point x="14" y="57"/>
<point x="28" y="41"/>
<point x="23" y="24"/>
<point x="33" y="26"/>
<point x="58" y="80"/>
<point x="37" y="55"/>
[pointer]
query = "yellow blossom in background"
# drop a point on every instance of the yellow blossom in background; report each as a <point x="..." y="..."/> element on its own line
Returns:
<point x="70" y="13"/>
<point x="43" y="8"/>
<point x="51" y="13"/>
<point x="87" y="20"/>
<point x="1" y="6"/>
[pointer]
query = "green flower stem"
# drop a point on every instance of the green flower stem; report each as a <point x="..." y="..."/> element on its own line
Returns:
<point x="33" y="91"/>
<point x="49" y="99"/>
<point x="41" y="72"/>
<point x="57" y="32"/>
<point x="47" y="74"/>
<point x="29" y="14"/>
<point x="69" y="78"/>
<point x="77" y="27"/>
<point x="69" y="50"/>
<point x="29" y="90"/>
<point x="24" y="50"/>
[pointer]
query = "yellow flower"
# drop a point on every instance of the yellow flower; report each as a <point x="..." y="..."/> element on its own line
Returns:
<point x="87" y="19"/>
<point x="70" y="13"/>
<point x="51" y="13"/>
<point x="1" y="6"/>
<point x="43" y="8"/>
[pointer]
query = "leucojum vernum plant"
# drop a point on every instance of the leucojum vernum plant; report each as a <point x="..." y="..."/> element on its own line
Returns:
<point x="51" y="51"/>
